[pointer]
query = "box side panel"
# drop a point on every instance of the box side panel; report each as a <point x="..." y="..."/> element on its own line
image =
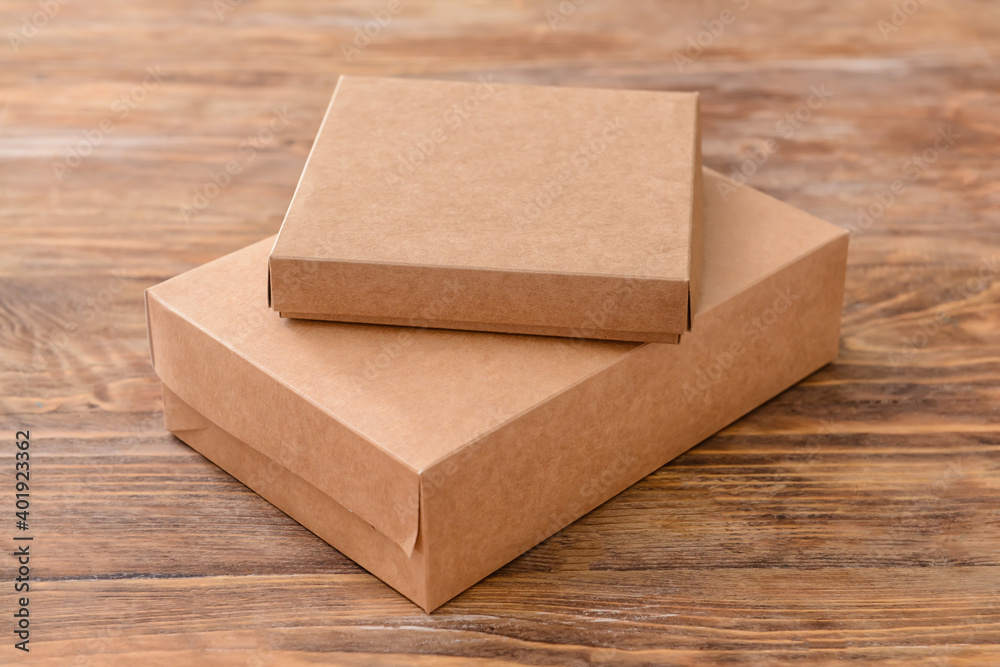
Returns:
<point x="598" y="334"/>
<point x="274" y="419"/>
<point x="525" y="481"/>
<point x="299" y="186"/>
<point x="569" y="305"/>
<point x="299" y="499"/>
<point x="697" y="223"/>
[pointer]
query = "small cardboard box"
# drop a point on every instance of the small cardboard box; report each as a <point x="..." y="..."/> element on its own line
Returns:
<point x="432" y="457"/>
<point x="488" y="207"/>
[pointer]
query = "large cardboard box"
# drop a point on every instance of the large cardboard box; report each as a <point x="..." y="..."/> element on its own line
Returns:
<point x="432" y="457"/>
<point x="489" y="207"/>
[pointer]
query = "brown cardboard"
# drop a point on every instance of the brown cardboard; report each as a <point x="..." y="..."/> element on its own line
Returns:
<point x="489" y="207"/>
<point x="433" y="457"/>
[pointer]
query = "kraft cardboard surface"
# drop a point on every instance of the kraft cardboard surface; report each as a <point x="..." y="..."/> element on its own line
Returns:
<point x="433" y="457"/>
<point x="489" y="207"/>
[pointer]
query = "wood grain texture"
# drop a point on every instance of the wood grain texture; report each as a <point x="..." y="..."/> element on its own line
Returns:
<point x="854" y="517"/>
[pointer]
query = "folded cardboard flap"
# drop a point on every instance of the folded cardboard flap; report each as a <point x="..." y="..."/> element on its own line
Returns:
<point x="292" y="494"/>
<point x="293" y="431"/>
<point x="179" y="417"/>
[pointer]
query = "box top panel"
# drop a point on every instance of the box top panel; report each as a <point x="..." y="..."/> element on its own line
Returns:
<point x="421" y="394"/>
<point x="506" y="177"/>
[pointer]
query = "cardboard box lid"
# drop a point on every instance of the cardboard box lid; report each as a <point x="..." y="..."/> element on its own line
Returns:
<point x="483" y="206"/>
<point x="365" y="410"/>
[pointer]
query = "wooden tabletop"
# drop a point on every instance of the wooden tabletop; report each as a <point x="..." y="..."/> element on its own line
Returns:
<point x="854" y="517"/>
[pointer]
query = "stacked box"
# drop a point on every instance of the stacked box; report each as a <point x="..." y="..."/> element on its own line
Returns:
<point x="431" y="456"/>
<point x="487" y="207"/>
